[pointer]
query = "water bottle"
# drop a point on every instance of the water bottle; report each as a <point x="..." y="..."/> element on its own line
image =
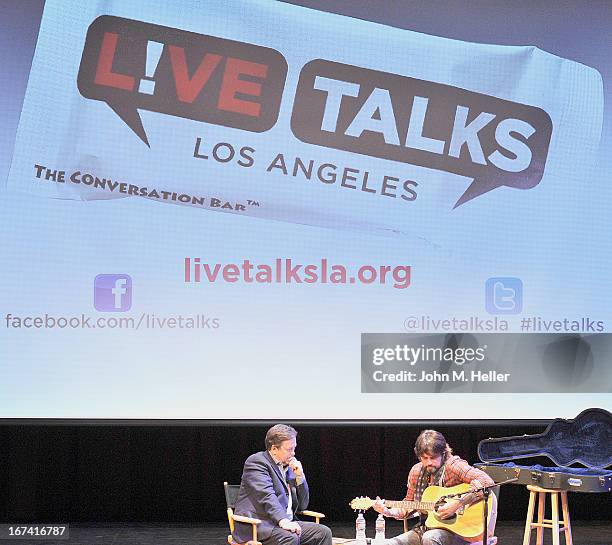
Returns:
<point x="380" y="529"/>
<point x="360" y="530"/>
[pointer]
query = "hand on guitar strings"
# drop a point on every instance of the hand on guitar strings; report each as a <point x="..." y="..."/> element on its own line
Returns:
<point x="380" y="507"/>
<point x="449" y="508"/>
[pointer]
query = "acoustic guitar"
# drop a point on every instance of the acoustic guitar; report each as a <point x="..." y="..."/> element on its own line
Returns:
<point x="466" y="522"/>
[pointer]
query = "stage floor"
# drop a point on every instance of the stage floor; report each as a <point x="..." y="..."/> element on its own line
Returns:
<point x="509" y="533"/>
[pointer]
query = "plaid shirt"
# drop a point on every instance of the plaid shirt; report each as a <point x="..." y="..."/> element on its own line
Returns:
<point x="457" y="471"/>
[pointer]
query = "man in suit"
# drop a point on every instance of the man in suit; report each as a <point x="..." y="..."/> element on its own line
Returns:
<point x="273" y="489"/>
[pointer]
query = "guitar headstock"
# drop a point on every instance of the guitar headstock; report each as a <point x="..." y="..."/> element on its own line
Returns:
<point x="363" y="503"/>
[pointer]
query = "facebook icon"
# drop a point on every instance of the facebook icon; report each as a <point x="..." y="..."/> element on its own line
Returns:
<point x="504" y="295"/>
<point x="113" y="292"/>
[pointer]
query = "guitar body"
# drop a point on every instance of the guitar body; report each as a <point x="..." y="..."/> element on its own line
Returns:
<point x="466" y="523"/>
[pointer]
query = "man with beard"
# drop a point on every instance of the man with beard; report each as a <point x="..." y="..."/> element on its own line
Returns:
<point x="438" y="466"/>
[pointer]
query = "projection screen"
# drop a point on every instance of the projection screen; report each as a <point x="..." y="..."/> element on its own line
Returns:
<point x="261" y="210"/>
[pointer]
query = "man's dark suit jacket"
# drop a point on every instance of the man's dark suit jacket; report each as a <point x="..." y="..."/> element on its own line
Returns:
<point x="265" y="495"/>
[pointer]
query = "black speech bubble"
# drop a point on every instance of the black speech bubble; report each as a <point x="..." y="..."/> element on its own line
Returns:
<point x="309" y="105"/>
<point x="249" y="78"/>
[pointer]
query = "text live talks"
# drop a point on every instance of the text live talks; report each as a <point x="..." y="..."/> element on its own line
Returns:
<point x="132" y="65"/>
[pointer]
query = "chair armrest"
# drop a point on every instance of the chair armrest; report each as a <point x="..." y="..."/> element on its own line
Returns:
<point x="248" y="520"/>
<point x="314" y="514"/>
<point x="250" y="542"/>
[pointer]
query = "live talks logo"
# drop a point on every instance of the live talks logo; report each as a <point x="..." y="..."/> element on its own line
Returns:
<point x="132" y="65"/>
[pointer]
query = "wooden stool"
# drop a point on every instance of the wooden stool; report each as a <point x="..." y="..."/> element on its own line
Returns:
<point x="554" y="524"/>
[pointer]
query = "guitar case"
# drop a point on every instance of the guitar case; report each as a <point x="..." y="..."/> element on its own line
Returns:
<point x="584" y="440"/>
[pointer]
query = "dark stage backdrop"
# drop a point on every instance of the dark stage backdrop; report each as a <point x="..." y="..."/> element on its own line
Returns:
<point x="112" y="473"/>
<point x="98" y="292"/>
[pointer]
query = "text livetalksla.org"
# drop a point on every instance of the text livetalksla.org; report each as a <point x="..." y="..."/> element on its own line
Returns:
<point x="290" y="271"/>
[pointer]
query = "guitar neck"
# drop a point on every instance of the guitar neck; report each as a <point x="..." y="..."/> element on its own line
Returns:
<point x="412" y="505"/>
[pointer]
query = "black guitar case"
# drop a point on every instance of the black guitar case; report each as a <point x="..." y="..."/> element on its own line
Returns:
<point x="585" y="440"/>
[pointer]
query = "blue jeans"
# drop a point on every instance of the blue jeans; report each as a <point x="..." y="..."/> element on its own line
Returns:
<point x="429" y="537"/>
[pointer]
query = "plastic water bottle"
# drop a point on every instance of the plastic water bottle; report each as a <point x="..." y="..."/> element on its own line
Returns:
<point x="360" y="529"/>
<point x="380" y="529"/>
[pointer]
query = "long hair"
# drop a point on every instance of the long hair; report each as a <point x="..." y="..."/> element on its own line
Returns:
<point x="432" y="442"/>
